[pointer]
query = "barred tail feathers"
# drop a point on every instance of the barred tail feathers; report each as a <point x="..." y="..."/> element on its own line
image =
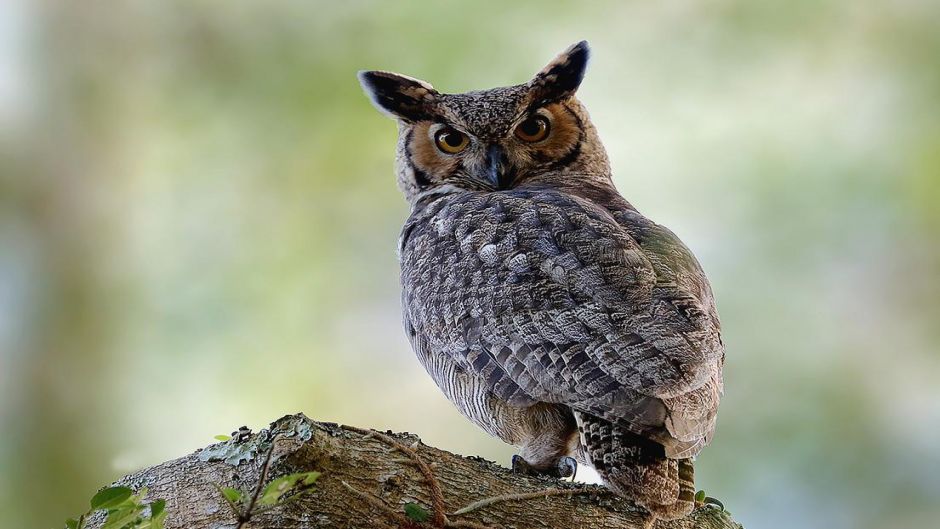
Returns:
<point x="637" y="468"/>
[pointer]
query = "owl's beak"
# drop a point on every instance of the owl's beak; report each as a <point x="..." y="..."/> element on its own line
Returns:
<point x="497" y="168"/>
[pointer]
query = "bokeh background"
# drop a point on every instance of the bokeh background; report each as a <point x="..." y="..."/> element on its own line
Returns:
<point x="198" y="220"/>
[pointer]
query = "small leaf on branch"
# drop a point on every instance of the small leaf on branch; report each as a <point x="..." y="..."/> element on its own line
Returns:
<point x="282" y="485"/>
<point x="126" y="515"/>
<point x="416" y="512"/>
<point x="110" y="497"/>
<point x="232" y="495"/>
<point x="157" y="515"/>
<point x="157" y="508"/>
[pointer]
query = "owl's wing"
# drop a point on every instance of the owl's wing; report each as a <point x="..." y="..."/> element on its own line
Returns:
<point x="549" y="298"/>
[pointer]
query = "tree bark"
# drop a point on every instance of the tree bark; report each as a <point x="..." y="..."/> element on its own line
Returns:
<point x="368" y="477"/>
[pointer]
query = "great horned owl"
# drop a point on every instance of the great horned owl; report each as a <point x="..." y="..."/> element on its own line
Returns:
<point x="547" y="308"/>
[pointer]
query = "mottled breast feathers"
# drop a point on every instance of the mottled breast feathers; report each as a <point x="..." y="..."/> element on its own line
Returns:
<point x="549" y="297"/>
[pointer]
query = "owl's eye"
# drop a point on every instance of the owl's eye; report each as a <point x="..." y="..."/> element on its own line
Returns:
<point x="451" y="140"/>
<point x="533" y="129"/>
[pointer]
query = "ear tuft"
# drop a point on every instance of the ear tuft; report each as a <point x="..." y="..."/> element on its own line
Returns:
<point x="561" y="78"/>
<point x="398" y="95"/>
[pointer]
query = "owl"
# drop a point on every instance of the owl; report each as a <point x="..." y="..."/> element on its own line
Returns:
<point x="543" y="304"/>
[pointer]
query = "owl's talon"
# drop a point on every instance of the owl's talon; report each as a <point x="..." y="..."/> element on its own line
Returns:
<point x="714" y="502"/>
<point x="566" y="467"/>
<point x="520" y="466"/>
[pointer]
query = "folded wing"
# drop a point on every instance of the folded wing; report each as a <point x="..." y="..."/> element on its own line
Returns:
<point x="549" y="298"/>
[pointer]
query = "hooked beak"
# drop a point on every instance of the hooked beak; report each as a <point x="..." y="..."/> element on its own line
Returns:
<point x="496" y="168"/>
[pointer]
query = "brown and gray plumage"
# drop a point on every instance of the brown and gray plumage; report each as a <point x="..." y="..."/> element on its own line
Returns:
<point x="546" y="308"/>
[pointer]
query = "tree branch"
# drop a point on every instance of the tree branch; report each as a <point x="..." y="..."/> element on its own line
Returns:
<point x="366" y="483"/>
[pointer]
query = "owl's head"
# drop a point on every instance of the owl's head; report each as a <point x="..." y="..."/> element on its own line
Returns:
<point x="490" y="140"/>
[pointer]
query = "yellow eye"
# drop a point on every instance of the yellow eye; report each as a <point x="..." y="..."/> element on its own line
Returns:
<point x="533" y="129"/>
<point x="451" y="140"/>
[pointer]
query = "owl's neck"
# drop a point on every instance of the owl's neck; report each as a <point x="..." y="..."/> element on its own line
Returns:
<point x="599" y="189"/>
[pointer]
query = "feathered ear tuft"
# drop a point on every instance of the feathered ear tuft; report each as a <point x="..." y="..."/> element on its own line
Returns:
<point x="398" y="95"/>
<point x="562" y="77"/>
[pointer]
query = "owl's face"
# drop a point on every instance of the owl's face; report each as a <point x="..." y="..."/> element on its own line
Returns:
<point x="494" y="139"/>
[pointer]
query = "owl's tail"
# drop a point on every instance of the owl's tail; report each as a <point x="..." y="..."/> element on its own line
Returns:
<point x="637" y="468"/>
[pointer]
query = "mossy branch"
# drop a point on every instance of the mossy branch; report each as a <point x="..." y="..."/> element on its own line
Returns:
<point x="365" y="482"/>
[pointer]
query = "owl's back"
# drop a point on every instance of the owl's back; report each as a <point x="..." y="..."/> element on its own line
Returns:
<point x="549" y="297"/>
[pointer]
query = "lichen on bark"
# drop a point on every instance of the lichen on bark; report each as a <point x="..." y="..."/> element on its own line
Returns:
<point x="367" y="480"/>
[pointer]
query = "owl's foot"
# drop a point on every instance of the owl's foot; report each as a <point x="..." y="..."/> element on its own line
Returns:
<point x="565" y="467"/>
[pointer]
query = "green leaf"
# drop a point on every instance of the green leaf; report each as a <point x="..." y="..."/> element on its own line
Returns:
<point x="110" y="497"/>
<point x="310" y="478"/>
<point x="282" y="485"/>
<point x="232" y="495"/>
<point x="127" y="516"/>
<point x="222" y="438"/>
<point x="416" y="512"/>
<point x="157" y="516"/>
<point x="700" y="496"/>
<point x="79" y="524"/>
<point x="157" y="521"/>
<point x="157" y="508"/>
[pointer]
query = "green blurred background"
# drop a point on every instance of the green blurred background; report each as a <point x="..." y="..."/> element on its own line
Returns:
<point x="198" y="221"/>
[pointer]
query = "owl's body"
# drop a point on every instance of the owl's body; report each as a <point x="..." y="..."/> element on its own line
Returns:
<point x="545" y="307"/>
